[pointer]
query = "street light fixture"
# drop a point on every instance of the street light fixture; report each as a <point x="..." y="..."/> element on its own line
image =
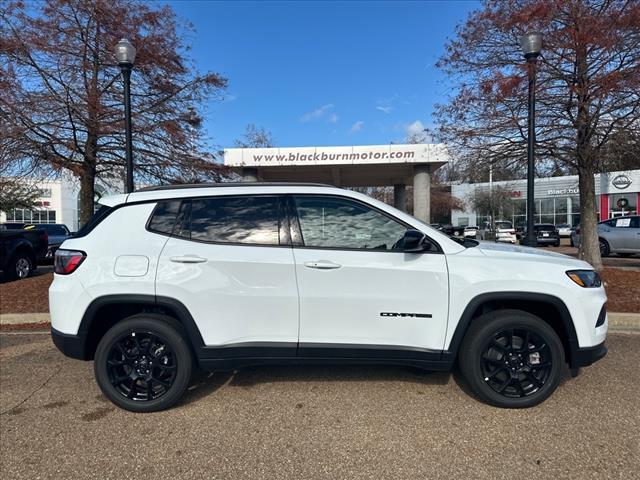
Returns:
<point x="531" y="44"/>
<point x="126" y="56"/>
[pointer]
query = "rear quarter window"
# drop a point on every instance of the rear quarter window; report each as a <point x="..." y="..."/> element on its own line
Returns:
<point x="164" y="216"/>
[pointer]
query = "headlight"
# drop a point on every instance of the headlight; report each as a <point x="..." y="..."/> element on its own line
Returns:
<point x="585" y="278"/>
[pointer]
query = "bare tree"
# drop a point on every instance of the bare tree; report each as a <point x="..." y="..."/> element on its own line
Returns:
<point x="588" y="90"/>
<point x="255" y="137"/>
<point x="57" y="60"/>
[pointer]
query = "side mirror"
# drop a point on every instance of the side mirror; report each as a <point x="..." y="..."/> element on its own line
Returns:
<point x="415" y="241"/>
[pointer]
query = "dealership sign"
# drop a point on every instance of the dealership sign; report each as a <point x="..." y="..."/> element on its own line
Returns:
<point x="621" y="181"/>
<point x="564" y="191"/>
<point x="354" y="155"/>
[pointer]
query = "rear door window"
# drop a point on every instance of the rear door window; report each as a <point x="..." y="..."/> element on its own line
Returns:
<point x="250" y="220"/>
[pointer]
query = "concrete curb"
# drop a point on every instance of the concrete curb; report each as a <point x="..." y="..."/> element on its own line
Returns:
<point x="23" y="318"/>
<point x="618" y="322"/>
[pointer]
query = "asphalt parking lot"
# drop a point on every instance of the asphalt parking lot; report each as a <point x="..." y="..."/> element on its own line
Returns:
<point x="314" y="422"/>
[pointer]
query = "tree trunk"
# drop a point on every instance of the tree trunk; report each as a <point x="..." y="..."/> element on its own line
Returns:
<point x="589" y="244"/>
<point x="87" y="193"/>
<point x="586" y="159"/>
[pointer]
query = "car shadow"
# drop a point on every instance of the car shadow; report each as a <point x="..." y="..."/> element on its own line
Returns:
<point x="204" y="384"/>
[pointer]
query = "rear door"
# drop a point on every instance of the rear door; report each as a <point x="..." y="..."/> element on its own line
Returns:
<point x="358" y="291"/>
<point x="229" y="261"/>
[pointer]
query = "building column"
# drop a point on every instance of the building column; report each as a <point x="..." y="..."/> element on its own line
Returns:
<point x="249" y="174"/>
<point x="569" y="211"/>
<point x="422" y="192"/>
<point x="400" y="196"/>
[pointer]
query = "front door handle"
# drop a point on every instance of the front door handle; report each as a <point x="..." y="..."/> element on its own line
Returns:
<point x="188" y="259"/>
<point x="322" y="265"/>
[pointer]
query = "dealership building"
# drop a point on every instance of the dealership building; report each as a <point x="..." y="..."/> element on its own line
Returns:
<point x="393" y="165"/>
<point x="556" y="199"/>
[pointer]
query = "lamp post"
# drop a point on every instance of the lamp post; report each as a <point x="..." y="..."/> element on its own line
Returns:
<point x="531" y="44"/>
<point x="126" y="55"/>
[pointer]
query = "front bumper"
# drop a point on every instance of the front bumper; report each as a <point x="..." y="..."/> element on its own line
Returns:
<point x="583" y="357"/>
<point x="73" y="346"/>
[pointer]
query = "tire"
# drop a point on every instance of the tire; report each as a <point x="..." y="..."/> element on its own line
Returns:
<point x="605" y="249"/>
<point x="19" y="266"/>
<point x="493" y="362"/>
<point x="124" y="363"/>
<point x="557" y="244"/>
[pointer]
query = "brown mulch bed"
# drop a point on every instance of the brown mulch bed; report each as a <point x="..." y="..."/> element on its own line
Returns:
<point x="623" y="290"/>
<point x="32" y="296"/>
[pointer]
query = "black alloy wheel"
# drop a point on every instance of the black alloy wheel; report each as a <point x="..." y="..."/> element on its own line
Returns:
<point x="516" y="362"/>
<point x="141" y="366"/>
<point x="144" y="363"/>
<point x="605" y="250"/>
<point x="511" y="358"/>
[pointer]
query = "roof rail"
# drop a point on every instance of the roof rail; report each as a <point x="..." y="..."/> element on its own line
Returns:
<point x="230" y="184"/>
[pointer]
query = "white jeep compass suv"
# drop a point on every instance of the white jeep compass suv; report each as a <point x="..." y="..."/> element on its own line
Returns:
<point x="167" y="279"/>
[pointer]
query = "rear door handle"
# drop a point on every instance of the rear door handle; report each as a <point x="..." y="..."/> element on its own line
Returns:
<point x="322" y="265"/>
<point x="188" y="259"/>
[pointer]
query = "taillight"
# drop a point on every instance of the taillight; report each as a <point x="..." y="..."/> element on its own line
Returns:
<point x="68" y="261"/>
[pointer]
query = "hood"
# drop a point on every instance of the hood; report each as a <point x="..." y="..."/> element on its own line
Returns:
<point x="501" y="250"/>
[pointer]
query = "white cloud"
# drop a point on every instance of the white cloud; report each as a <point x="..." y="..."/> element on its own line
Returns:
<point x="384" y="109"/>
<point x="333" y="118"/>
<point x="356" y="127"/>
<point x="317" y="113"/>
<point x="230" y="98"/>
<point x="415" y="128"/>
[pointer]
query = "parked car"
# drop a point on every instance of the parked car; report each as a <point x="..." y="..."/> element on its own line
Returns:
<point x="504" y="232"/>
<point x="220" y="277"/>
<point x="564" y="230"/>
<point x="470" y="232"/>
<point x="619" y="235"/>
<point x="20" y="251"/>
<point x="546" y="234"/>
<point x="57" y="232"/>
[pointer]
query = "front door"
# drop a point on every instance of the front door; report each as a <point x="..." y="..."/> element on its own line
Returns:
<point x="231" y="266"/>
<point x="358" y="290"/>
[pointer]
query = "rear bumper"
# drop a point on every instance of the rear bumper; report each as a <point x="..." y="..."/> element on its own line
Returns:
<point x="545" y="240"/>
<point x="583" y="357"/>
<point x="71" y="345"/>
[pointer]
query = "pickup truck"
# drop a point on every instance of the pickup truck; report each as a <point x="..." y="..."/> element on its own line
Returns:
<point x="21" y="250"/>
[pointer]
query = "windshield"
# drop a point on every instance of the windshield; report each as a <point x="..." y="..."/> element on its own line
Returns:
<point x="100" y="214"/>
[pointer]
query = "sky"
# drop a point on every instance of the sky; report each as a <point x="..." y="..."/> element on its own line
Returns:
<point x="322" y="73"/>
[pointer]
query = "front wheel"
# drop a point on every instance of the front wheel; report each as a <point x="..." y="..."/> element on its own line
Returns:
<point x="143" y="363"/>
<point x="605" y="250"/>
<point x="511" y="359"/>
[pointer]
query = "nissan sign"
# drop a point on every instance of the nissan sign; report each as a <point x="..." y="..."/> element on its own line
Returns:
<point x="621" y="182"/>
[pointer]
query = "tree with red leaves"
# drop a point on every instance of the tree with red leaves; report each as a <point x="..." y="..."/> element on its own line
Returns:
<point x="62" y="87"/>
<point x="588" y="90"/>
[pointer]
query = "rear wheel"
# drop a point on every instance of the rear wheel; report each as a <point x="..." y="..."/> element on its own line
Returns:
<point x="143" y="363"/>
<point x="605" y="250"/>
<point x="20" y="266"/>
<point x="511" y="359"/>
